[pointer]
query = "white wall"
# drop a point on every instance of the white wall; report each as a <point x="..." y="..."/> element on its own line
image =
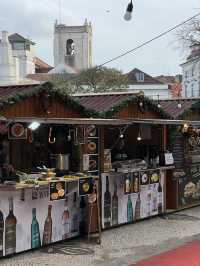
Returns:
<point x="152" y="91"/>
<point x="191" y="78"/>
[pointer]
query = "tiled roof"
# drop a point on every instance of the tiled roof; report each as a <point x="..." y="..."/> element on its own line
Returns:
<point x="171" y="106"/>
<point x="40" y="64"/>
<point x="16" y="37"/>
<point x="103" y="102"/>
<point x="12" y="90"/>
<point x="147" y="78"/>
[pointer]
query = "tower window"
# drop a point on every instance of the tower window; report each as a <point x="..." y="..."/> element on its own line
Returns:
<point x="70" y="47"/>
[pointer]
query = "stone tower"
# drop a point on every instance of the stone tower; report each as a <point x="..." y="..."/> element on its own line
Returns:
<point x="73" y="45"/>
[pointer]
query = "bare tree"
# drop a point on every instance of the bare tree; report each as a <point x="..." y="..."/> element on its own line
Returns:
<point x="189" y="34"/>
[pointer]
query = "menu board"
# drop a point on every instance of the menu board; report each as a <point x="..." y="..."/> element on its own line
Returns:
<point x="57" y="190"/>
<point x="178" y="149"/>
<point x="91" y="164"/>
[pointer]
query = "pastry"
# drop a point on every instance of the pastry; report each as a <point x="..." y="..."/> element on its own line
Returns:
<point x="92" y="146"/>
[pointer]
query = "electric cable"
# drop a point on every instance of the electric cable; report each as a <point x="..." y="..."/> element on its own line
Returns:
<point x="147" y="42"/>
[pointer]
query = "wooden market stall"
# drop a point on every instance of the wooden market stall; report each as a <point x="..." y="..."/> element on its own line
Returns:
<point x="183" y="190"/>
<point x="133" y="180"/>
<point x="44" y="174"/>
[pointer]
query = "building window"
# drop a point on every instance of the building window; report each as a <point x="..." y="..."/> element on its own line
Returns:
<point x="70" y="47"/>
<point x="199" y="89"/>
<point x="18" y="46"/>
<point x="192" y="71"/>
<point x="139" y="77"/>
<point x="186" y="74"/>
<point x="186" y="91"/>
<point x="192" y="90"/>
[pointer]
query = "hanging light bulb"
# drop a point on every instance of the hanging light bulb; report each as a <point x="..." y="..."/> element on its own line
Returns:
<point x="179" y="105"/>
<point x="128" y="14"/>
<point x="159" y="105"/>
<point x="139" y="137"/>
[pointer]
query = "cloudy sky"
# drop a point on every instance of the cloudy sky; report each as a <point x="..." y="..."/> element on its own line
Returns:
<point x="112" y="34"/>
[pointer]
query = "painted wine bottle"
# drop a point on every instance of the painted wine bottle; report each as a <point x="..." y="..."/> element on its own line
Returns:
<point x="65" y="221"/>
<point x="1" y="232"/>
<point x="107" y="205"/>
<point x="75" y="215"/>
<point x="35" y="231"/>
<point x="160" y="198"/>
<point x="115" y="206"/>
<point x="47" y="234"/>
<point x="10" y="230"/>
<point x="137" y="208"/>
<point x="129" y="210"/>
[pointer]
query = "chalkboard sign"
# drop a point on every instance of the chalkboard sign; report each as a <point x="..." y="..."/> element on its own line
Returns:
<point x="177" y="149"/>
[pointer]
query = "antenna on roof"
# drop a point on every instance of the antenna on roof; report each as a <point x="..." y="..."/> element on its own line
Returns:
<point x="60" y="11"/>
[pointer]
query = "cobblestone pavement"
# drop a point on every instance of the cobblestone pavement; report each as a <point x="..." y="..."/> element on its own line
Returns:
<point x="120" y="246"/>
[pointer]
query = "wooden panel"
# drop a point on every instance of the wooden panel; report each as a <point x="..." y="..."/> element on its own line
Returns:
<point x="132" y="111"/>
<point x="32" y="107"/>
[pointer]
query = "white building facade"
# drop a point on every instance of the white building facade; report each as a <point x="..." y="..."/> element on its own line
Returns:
<point x="16" y="58"/>
<point x="191" y="73"/>
<point x="73" y="45"/>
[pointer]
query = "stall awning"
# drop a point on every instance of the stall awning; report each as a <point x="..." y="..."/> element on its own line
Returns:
<point x="71" y="121"/>
<point x="163" y="122"/>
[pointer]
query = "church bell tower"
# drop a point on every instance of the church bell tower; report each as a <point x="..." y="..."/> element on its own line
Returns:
<point x="73" y="45"/>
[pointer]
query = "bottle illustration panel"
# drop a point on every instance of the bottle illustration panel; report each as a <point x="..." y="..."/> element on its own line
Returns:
<point x="35" y="231"/>
<point x="130" y="197"/>
<point x="47" y="233"/>
<point x="10" y="230"/>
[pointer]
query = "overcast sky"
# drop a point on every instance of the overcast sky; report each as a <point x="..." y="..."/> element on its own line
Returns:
<point x="112" y="35"/>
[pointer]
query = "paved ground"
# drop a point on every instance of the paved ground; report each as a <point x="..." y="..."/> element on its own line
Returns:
<point x="120" y="247"/>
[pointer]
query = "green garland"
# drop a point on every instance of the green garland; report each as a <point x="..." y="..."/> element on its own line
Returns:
<point x="53" y="91"/>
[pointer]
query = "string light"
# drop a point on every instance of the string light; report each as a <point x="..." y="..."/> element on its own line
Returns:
<point x="159" y="105"/>
<point x="139" y="137"/>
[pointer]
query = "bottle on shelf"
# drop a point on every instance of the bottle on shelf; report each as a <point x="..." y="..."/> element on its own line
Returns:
<point x="47" y="233"/>
<point x="75" y="215"/>
<point x="1" y="232"/>
<point x="107" y="205"/>
<point x="35" y="231"/>
<point x="10" y="230"/>
<point x="137" y="208"/>
<point x="129" y="210"/>
<point x="160" y="198"/>
<point x="66" y="221"/>
<point x="115" y="206"/>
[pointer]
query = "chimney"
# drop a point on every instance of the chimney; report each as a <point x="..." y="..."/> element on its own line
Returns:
<point x="4" y="36"/>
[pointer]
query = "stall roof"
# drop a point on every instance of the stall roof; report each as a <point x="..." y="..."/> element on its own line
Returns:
<point x="171" y="106"/>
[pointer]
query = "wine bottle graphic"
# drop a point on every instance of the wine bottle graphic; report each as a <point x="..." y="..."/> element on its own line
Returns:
<point x="107" y="205"/>
<point x="115" y="206"/>
<point x="155" y="199"/>
<point x="75" y="215"/>
<point x="137" y="208"/>
<point x="47" y="234"/>
<point x="129" y="210"/>
<point x="148" y="213"/>
<point x="65" y="222"/>
<point x="160" y="199"/>
<point x="35" y="231"/>
<point x="10" y="230"/>
<point x="1" y="232"/>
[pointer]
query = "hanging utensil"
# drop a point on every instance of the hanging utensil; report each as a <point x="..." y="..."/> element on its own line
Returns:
<point x="51" y="139"/>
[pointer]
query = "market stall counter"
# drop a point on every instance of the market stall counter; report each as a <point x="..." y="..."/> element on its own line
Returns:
<point x="132" y="196"/>
<point x="44" y="212"/>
